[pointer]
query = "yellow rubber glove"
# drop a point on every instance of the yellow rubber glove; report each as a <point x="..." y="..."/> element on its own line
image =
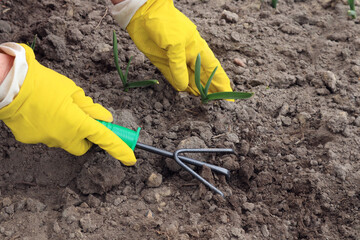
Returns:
<point x="51" y="109"/>
<point x="171" y="42"/>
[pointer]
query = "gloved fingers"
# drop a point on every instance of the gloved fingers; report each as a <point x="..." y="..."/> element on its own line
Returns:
<point x="178" y="68"/>
<point x="94" y="110"/>
<point x="78" y="147"/>
<point x="172" y="44"/>
<point x="192" y="88"/>
<point x="98" y="134"/>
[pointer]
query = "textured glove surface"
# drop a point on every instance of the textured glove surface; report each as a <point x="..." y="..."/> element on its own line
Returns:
<point x="51" y="109"/>
<point x="171" y="42"/>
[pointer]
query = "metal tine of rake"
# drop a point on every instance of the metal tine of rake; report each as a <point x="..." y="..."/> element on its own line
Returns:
<point x="188" y="160"/>
<point x="181" y="159"/>
<point x="192" y="172"/>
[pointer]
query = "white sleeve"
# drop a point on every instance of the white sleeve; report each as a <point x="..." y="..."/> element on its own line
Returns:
<point x="13" y="81"/>
<point x="125" y="10"/>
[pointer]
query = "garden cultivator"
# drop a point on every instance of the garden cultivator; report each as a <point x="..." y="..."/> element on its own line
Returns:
<point x="130" y="137"/>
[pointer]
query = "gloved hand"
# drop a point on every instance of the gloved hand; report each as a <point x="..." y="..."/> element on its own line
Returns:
<point x="51" y="109"/>
<point x="171" y="42"/>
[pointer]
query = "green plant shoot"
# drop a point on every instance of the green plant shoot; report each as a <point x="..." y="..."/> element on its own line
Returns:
<point x="352" y="12"/>
<point x="32" y="45"/>
<point x="205" y="97"/>
<point x="124" y="76"/>
<point x="274" y="3"/>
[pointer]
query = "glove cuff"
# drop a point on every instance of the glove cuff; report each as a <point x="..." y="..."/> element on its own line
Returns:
<point x="125" y="10"/>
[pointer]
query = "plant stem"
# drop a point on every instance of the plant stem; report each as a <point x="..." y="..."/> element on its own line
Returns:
<point x="116" y="58"/>
<point x="274" y="3"/>
<point x="34" y="42"/>
<point x="352" y="12"/>
<point x="197" y="76"/>
<point x="352" y="4"/>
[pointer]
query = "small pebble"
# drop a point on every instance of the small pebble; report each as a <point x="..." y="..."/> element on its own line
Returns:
<point x="235" y="36"/>
<point x="238" y="232"/>
<point x="314" y="163"/>
<point x="224" y="218"/>
<point x="286" y="121"/>
<point x="6" y="202"/>
<point x="249" y="206"/>
<point x="230" y="17"/>
<point x="113" y="223"/>
<point x="357" y="122"/>
<point x="84" y="205"/>
<point x="329" y="80"/>
<point x="240" y="62"/>
<point x="154" y="180"/>
<point x="265" y="231"/>
<point x="56" y="227"/>
<point x="149" y="214"/>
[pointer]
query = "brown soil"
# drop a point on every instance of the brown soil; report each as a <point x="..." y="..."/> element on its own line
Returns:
<point x="296" y="172"/>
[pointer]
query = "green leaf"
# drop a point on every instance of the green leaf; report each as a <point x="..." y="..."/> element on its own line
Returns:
<point x="33" y="43"/>
<point x="127" y="69"/>
<point x="116" y="58"/>
<point x="274" y="3"/>
<point x="143" y="83"/>
<point x="352" y="5"/>
<point x="229" y="95"/>
<point x="209" y="82"/>
<point x="197" y="76"/>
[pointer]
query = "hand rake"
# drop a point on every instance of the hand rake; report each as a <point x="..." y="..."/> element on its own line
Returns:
<point x="130" y="137"/>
